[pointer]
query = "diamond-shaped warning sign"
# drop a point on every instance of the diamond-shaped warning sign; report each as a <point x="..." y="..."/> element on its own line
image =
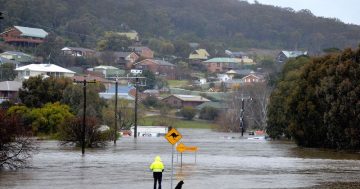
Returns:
<point x="173" y="136"/>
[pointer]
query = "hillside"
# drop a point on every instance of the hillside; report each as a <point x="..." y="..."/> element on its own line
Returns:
<point x="217" y="23"/>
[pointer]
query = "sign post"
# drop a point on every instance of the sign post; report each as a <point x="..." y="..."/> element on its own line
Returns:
<point x="173" y="136"/>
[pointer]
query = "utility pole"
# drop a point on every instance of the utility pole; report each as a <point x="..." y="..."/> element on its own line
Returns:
<point x="242" y="117"/>
<point x="84" y="114"/>
<point x="136" y="105"/>
<point x="242" y="110"/>
<point x="116" y="110"/>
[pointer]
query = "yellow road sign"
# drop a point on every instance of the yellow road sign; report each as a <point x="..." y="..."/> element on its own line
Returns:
<point x="181" y="147"/>
<point x="191" y="148"/>
<point x="173" y="136"/>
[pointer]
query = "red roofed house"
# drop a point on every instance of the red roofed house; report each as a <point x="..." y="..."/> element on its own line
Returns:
<point x="158" y="67"/>
<point x="180" y="101"/>
<point x="23" y="36"/>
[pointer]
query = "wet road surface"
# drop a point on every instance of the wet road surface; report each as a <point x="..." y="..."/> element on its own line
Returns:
<point x="224" y="161"/>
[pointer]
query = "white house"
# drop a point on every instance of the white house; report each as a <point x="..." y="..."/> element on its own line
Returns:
<point x="32" y="70"/>
<point x="136" y="71"/>
<point x="223" y="77"/>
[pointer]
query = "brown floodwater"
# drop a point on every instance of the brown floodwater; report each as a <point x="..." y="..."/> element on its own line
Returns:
<point x="223" y="161"/>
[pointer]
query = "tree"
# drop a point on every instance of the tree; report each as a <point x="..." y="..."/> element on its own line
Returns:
<point x="113" y="41"/>
<point x="7" y="72"/>
<point x="188" y="112"/>
<point x="46" y="120"/>
<point x="37" y="91"/>
<point x="71" y="133"/>
<point x="208" y="113"/>
<point x="277" y="114"/>
<point x="74" y="97"/>
<point x="16" y="146"/>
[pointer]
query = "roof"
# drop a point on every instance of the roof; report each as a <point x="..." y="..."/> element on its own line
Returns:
<point x="190" y="98"/>
<point x="32" y="32"/>
<point x="293" y="54"/>
<point x="5" y="60"/>
<point x="231" y="72"/>
<point x="76" y="49"/>
<point x="223" y="60"/>
<point x="122" y="54"/>
<point x="106" y="67"/>
<point x="158" y="62"/>
<point x="139" y="48"/>
<point x="244" y="71"/>
<point x="121" y="89"/>
<point x="216" y="105"/>
<point x="199" y="54"/>
<point x="44" y="68"/>
<point x="10" y="85"/>
<point x="17" y="53"/>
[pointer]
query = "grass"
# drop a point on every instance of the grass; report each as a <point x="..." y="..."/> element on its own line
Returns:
<point x="177" y="83"/>
<point x="178" y="123"/>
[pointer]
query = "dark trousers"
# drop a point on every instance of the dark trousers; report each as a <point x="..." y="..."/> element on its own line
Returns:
<point x="157" y="178"/>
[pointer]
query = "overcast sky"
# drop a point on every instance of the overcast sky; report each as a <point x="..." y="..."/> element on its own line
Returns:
<point x="347" y="11"/>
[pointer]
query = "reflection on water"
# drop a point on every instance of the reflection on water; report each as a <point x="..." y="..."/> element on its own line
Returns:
<point x="224" y="160"/>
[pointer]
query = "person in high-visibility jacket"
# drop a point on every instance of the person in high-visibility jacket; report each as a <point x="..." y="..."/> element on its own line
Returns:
<point x="157" y="168"/>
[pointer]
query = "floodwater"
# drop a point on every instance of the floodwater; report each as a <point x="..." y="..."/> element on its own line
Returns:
<point x="224" y="161"/>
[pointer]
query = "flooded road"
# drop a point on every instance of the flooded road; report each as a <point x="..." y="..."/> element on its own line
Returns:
<point x="224" y="161"/>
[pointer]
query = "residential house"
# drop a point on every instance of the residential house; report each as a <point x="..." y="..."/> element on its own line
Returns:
<point x="143" y="51"/>
<point x="285" y="55"/>
<point x="9" y="90"/>
<point x="109" y="71"/>
<point x="158" y="67"/>
<point x="132" y="35"/>
<point x="78" y="52"/>
<point x="126" y="60"/>
<point x="253" y="78"/>
<point x="179" y="101"/>
<point x="238" y="54"/>
<point x="24" y="36"/>
<point x="222" y="64"/>
<point x="47" y="70"/>
<point x="223" y="77"/>
<point x="199" y="54"/>
<point x="124" y="92"/>
<point x="8" y="61"/>
<point x="17" y="56"/>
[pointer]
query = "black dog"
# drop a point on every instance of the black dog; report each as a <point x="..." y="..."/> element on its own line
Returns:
<point x="179" y="185"/>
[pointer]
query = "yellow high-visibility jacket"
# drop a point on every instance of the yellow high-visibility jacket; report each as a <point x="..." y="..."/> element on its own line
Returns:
<point x="157" y="165"/>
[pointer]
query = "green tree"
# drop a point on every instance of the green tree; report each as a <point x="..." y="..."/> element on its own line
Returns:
<point x="188" y="112"/>
<point x="15" y="143"/>
<point x="7" y="72"/>
<point x="278" y="122"/>
<point x="113" y="41"/>
<point x="208" y="113"/>
<point x="37" y="91"/>
<point x="74" y="97"/>
<point x="47" y="119"/>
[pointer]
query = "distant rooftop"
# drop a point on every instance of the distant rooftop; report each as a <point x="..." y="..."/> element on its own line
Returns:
<point x="223" y="60"/>
<point x="294" y="54"/>
<point x="32" y="32"/>
<point x="44" y="68"/>
<point x="191" y="98"/>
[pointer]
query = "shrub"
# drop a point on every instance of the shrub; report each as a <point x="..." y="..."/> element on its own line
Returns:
<point x="208" y="113"/>
<point x="188" y="112"/>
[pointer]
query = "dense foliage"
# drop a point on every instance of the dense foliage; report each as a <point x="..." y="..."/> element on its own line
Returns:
<point x="208" y="113"/>
<point x="213" y="23"/>
<point x="15" y="145"/>
<point x="37" y="91"/>
<point x="188" y="112"/>
<point x="319" y="102"/>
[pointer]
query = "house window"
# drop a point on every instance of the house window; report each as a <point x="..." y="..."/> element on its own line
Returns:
<point x="27" y="73"/>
